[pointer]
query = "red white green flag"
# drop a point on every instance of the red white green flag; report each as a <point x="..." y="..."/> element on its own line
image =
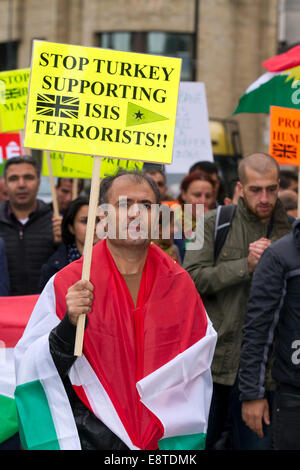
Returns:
<point x="14" y="315"/>
<point x="279" y="86"/>
<point x="145" y="369"/>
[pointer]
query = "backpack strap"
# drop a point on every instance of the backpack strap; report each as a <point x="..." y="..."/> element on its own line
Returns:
<point x="223" y="222"/>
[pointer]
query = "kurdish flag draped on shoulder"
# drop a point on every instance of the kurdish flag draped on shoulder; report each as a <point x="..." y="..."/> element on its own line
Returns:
<point x="279" y="86"/>
<point x="145" y="369"/>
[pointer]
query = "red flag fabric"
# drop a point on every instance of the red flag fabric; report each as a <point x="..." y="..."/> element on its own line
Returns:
<point x="283" y="61"/>
<point x="14" y="315"/>
<point x="123" y="342"/>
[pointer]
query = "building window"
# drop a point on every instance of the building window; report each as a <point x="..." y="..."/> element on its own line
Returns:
<point x="8" y="55"/>
<point x="288" y="24"/>
<point x="157" y="43"/>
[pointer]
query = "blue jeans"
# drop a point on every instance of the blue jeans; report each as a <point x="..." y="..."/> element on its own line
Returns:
<point x="225" y="417"/>
<point x="286" y="418"/>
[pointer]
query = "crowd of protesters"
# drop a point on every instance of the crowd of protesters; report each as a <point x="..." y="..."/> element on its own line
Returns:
<point x="249" y="287"/>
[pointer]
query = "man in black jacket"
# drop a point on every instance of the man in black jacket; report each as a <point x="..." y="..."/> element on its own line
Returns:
<point x="273" y="318"/>
<point x="25" y="226"/>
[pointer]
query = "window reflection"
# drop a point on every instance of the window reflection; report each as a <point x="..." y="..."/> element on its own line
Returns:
<point x="161" y="43"/>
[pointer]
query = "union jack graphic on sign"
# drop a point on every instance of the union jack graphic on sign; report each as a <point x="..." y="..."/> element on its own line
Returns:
<point x="12" y="93"/>
<point x="284" y="151"/>
<point x="58" y="106"/>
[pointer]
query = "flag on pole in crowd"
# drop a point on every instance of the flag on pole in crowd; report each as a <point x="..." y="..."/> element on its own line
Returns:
<point x="279" y="86"/>
<point x="14" y="315"/>
<point x="146" y="389"/>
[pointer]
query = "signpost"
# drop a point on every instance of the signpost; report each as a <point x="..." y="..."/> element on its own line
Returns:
<point x="101" y="103"/>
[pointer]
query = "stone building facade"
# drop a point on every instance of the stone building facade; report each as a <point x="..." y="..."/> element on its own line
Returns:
<point x="231" y="39"/>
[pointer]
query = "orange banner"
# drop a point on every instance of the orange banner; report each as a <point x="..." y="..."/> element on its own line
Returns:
<point x="285" y="135"/>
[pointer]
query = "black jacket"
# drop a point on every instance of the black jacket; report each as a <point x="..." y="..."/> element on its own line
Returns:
<point x="55" y="263"/>
<point x="4" y="280"/>
<point x="27" y="247"/>
<point x="273" y="318"/>
<point x="93" y="434"/>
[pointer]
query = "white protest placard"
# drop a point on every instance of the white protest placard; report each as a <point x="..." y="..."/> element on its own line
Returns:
<point x="192" y="141"/>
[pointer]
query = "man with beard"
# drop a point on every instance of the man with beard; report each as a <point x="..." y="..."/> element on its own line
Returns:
<point x="224" y="285"/>
<point x="25" y="226"/>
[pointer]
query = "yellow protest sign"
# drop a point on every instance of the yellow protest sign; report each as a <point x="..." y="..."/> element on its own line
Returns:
<point x="13" y="99"/>
<point x="109" y="166"/>
<point x="60" y="169"/>
<point x="102" y="102"/>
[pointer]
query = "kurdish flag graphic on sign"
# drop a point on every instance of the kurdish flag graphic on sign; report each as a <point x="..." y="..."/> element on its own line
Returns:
<point x="102" y="102"/>
<point x="14" y="315"/>
<point x="279" y="86"/>
<point x="138" y="115"/>
<point x="149" y="391"/>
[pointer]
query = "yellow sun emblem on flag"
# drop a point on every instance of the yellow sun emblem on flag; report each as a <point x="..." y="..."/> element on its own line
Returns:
<point x="292" y="74"/>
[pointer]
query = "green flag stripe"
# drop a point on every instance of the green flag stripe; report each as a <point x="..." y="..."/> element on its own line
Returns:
<point x="276" y="92"/>
<point x="8" y="418"/>
<point x="35" y="419"/>
<point x="190" y="442"/>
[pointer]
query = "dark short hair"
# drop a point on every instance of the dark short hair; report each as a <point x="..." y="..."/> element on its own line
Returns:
<point x="136" y="175"/>
<point x="290" y="175"/>
<point x="22" y="159"/>
<point x="286" y="177"/>
<point x="284" y="182"/>
<point x="70" y="180"/>
<point x="231" y="187"/>
<point x="69" y="216"/>
<point x="153" y="171"/>
<point x="206" y="166"/>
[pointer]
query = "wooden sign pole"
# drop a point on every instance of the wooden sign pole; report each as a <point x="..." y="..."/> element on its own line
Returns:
<point x="24" y="151"/>
<point x="74" y="188"/>
<point x="88" y="246"/>
<point x="52" y="185"/>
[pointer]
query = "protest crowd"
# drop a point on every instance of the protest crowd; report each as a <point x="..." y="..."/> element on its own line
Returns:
<point x="242" y="279"/>
<point x="149" y="298"/>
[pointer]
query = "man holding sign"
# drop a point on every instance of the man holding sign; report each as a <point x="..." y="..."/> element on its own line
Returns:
<point x="143" y="381"/>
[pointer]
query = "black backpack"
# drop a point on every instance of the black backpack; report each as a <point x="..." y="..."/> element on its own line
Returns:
<point x="224" y="218"/>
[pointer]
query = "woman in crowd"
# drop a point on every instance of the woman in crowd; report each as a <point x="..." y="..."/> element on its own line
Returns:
<point x="196" y="188"/>
<point x="73" y="230"/>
